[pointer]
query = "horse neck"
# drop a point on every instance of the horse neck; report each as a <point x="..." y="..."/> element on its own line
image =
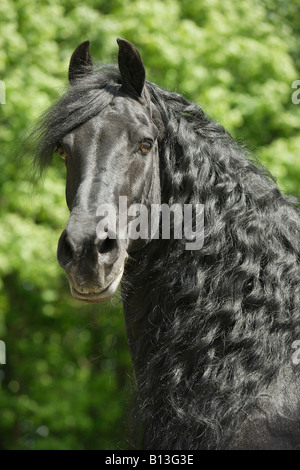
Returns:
<point x="140" y="302"/>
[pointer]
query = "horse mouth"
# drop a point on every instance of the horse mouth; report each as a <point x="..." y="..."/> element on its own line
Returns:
<point x="102" y="295"/>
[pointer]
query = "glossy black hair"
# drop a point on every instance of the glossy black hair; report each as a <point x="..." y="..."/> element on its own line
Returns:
<point x="219" y="322"/>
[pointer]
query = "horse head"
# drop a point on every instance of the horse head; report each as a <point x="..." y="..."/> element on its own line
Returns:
<point x="112" y="154"/>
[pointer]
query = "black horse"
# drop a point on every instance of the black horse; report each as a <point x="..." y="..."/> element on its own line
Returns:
<point x="213" y="332"/>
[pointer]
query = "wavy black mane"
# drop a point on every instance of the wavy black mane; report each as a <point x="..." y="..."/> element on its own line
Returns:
<point x="219" y="322"/>
<point x="228" y="313"/>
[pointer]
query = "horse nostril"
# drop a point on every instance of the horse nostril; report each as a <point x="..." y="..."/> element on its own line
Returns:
<point x="109" y="248"/>
<point x="64" y="251"/>
<point x="106" y="246"/>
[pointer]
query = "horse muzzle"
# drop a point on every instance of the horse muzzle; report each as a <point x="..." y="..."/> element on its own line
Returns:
<point x="94" y="267"/>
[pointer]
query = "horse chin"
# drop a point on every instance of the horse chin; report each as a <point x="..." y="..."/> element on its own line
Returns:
<point x="103" y="295"/>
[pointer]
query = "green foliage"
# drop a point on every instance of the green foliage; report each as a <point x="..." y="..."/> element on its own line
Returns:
<point x="67" y="379"/>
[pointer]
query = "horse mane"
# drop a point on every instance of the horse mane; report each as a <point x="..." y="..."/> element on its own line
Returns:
<point x="87" y="97"/>
<point x="218" y="322"/>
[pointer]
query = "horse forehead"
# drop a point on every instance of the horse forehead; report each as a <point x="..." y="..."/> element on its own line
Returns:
<point x="126" y="112"/>
<point x="122" y="114"/>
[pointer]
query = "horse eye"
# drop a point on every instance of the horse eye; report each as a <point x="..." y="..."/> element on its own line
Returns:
<point x="62" y="152"/>
<point x="145" y="147"/>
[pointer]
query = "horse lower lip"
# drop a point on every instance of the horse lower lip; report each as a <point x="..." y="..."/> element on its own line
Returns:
<point x="88" y="294"/>
<point x="92" y="297"/>
<point x="96" y="295"/>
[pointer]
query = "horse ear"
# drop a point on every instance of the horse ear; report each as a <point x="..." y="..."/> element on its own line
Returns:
<point x="81" y="58"/>
<point x="131" y="68"/>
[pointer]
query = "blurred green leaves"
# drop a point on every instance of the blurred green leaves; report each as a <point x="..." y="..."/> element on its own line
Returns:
<point x="67" y="381"/>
